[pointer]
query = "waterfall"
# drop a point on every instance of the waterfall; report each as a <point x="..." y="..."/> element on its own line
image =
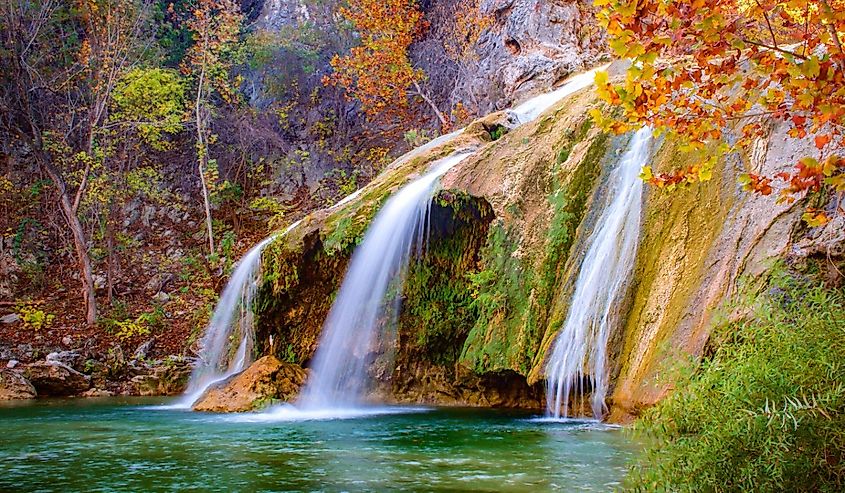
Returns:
<point x="580" y="351"/>
<point x="534" y="107"/>
<point x="370" y="293"/>
<point x="233" y="316"/>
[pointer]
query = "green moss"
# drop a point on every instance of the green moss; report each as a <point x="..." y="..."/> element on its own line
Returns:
<point x="438" y="308"/>
<point x="513" y="293"/>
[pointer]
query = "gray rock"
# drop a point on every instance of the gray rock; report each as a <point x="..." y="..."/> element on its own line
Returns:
<point x="158" y="282"/>
<point x="56" y="379"/>
<point x="11" y="318"/>
<point x="148" y="215"/>
<point x="12" y="363"/>
<point x="68" y="358"/>
<point x="100" y="281"/>
<point x="531" y="47"/>
<point x="144" y="350"/>
<point x="13" y="385"/>
<point x="161" y="297"/>
<point x="24" y="351"/>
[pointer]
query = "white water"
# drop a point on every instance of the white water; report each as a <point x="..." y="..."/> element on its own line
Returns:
<point x="339" y="369"/>
<point x="580" y="351"/>
<point x="339" y="375"/>
<point x="233" y="316"/>
<point x="531" y="109"/>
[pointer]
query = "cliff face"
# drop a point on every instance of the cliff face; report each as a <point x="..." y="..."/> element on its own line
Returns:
<point x="509" y="230"/>
<point x="531" y="46"/>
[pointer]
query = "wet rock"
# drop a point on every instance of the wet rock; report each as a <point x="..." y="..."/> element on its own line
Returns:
<point x="95" y="392"/>
<point x="266" y="380"/>
<point x="56" y="379"/>
<point x="13" y="385"/>
<point x="11" y="318"/>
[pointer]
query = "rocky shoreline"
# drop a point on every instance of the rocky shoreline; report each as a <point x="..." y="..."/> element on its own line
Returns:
<point x="78" y="372"/>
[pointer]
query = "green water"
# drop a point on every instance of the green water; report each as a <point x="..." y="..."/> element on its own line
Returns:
<point x="127" y="445"/>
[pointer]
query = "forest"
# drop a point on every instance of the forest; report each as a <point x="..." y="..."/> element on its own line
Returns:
<point x="372" y="219"/>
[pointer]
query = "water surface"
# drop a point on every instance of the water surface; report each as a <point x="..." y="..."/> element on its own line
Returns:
<point x="125" y="444"/>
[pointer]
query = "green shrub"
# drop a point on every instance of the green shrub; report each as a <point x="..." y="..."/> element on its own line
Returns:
<point x="35" y="318"/>
<point x="766" y="412"/>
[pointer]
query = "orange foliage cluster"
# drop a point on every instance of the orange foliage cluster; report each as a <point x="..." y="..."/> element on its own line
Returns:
<point x="378" y="73"/>
<point x="703" y="67"/>
<point x="215" y="26"/>
<point x="464" y="25"/>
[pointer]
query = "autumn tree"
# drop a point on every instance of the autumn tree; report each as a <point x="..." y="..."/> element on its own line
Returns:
<point x="215" y="26"/>
<point x="60" y="64"/>
<point x="709" y="70"/>
<point x="378" y="72"/>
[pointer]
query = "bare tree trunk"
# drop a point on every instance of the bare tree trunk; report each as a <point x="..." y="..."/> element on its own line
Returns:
<point x="202" y="161"/>
<point x="444" y="122"/>
<point x="111" y="253"/>
<point x="80" y="244"/>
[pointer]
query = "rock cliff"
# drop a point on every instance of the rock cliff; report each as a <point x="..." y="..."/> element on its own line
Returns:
<point x="482" y="308"/>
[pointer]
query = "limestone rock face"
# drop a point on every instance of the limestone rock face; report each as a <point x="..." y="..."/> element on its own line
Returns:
<point x="56" y="379"/>
<point x="13" y="385"/>
<point x="268" y="378"/>
<point x="532" y="46"/>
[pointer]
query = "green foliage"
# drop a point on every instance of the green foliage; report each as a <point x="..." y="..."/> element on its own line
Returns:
<point x="34" y="318"/>
<point x="417" y="137"/>
<point x="272" y="206"/>
<point x="500" y="293"/>
<point x="151" y="101"/>
<point x="126" y="328"/>
<point x="767" y="411"/>
<point x="290" y="354"/>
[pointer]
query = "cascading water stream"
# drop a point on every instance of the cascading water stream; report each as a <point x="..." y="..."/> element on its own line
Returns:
<point x="339" y="370"/>
<point x="339" y="376"/>
<point x="580" y="351"/>
<point x="534" y="107"/>
<point x="233" y="316"/>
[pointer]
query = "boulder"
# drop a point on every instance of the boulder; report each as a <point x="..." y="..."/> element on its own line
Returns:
<point x="266" y="380"/>
<point x="67" y="358"/>
<point x="13" y="385"/>
<point x="56" y="379"/>
<point x="163" y="377"/>
<point x="95" y="392"/>
<point x="144" y="350"/>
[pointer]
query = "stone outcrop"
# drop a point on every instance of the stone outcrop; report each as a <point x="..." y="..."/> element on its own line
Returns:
<point x="508" y="233"/>
<point x="13" y="385"/>
<point x="265" y="381"/>
<point x="56" y="379"/>
<point x="531" y="47"/>
<point x="160" y="377"/>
